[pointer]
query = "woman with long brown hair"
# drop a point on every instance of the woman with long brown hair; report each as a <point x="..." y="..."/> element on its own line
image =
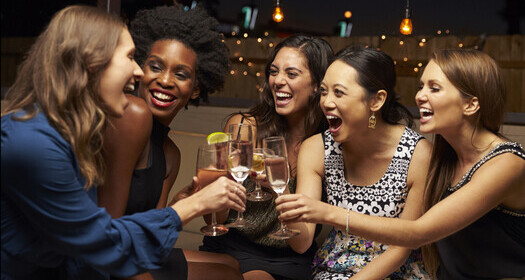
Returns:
<point x="475" y="211"/>
<point x="73" y="78"/>
<point x="289" y="107"/>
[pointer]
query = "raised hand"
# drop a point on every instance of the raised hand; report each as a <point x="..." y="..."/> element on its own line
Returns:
<point x="220" y="195"/>
<point x="301" y="208"/>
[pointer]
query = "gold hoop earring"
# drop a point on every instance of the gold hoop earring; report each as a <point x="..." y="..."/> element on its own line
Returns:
<point x="372" y="121"/>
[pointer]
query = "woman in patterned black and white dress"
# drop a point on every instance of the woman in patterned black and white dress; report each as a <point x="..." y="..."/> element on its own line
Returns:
<point x="370" y="162"/>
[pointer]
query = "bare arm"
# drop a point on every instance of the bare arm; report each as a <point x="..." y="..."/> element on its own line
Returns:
<point x="172" y="155"/>
<point x="390" y="260"/>
<point x="125" y="140"/>
<point x="496" y="182"/>
<point x="310" y="173"/>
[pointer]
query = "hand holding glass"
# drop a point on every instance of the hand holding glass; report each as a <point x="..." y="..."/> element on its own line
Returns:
<point x="278" y="174"/>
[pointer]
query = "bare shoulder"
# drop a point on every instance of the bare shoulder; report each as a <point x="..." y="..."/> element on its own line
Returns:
<point x="171" y="150"/>
<point x="422" y="152"/>
<point x="172" y="155"/>
<point x="506" y="174"/>
<point x="311" y="153"/>
<point x="133" y="127"/>
<point x="138" y="109"/>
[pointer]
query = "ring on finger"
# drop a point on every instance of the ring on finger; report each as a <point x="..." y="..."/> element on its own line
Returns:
<point x="236" y="189"/>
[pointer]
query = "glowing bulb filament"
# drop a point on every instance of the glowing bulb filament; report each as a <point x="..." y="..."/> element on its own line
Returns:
<point x="278" y="14"/>
<point x="406" y="26"/>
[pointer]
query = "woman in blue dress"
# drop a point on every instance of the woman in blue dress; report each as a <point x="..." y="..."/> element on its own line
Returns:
<point x="74" y="77"/>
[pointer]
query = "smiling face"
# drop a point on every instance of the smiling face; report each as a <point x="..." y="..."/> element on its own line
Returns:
<point x="440" y="103"/>
<point x="290" y="82"/>
<point x="119" y="76"/>
<point x="344" y="101"/>
<point x="169" y="79"/>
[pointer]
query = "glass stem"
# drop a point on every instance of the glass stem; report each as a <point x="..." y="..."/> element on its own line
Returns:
<point x="240" y="216"/>
<point x="283" y="225"/>
<point x="213" y="219"/>
<point x="257" y="187"/>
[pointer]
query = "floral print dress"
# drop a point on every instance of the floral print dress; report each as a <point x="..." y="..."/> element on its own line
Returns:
<point x="342" y="255"/>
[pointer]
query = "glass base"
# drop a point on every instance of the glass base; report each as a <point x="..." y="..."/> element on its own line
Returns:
<point x="214" y="230"/>
<point x="239" y="223"/>
<point x="259" y="195"/>
<point x="284" y="233"/>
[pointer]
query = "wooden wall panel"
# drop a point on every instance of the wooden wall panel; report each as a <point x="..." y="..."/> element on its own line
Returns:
<point x="507" y="50"/>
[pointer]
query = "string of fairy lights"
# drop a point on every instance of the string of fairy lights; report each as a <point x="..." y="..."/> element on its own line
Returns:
<point x="253" y="68"/>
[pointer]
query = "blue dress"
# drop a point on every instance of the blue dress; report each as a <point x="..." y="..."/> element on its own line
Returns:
<point x="52" y="226"/>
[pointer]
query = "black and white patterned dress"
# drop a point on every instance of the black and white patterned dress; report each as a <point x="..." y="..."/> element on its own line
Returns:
<point x="343" y="255"/>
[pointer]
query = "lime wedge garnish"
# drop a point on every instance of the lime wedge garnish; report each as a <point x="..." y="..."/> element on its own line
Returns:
<point x="217" y="137"/>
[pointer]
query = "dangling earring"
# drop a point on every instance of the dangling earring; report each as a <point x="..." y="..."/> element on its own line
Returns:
<point x="372" y="121"/>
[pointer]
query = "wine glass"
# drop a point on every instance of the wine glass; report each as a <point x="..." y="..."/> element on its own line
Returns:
<point x="258" y="167"/>
<point x="212" y="163"/>
<point x="240" y="157"/>
<point x="277" y="174"/>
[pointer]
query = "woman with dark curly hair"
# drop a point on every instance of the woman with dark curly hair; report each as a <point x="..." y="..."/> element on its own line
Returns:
<point x="182" y="57"/>
<point x="289" y="106"/>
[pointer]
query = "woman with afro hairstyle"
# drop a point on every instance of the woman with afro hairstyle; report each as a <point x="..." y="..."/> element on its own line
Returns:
<point x="183" y="58"/>
<point x="288" y="106"/>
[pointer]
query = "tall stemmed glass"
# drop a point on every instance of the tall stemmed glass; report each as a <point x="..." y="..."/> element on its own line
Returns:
<point x="212" y="163"/>
<point x="240" y="159"/>
<point x="278" y="174"/>
<point x="258" y="167"/>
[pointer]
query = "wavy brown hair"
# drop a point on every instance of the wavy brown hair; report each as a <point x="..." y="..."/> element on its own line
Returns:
<point x="319" y="55"/>
<point x="60" y="77"/>
<point x="474" y="74"/>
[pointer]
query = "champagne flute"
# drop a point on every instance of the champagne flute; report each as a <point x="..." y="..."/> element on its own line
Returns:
<point x="240" y="159"/>
<point x="211" y="164"/>
<point x="258" y="167"/>
<point x="278" y="174"/>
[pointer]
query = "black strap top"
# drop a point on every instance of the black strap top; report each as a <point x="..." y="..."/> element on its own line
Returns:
<point x="492" y="247"/>
<point x="146" y="184"/>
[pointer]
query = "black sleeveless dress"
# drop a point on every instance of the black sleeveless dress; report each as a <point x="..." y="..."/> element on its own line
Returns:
<point x="254" y="249"/>
<point x="492" y="247"/>
<point x="146" y="184"/>
<point x="144" y="194"/>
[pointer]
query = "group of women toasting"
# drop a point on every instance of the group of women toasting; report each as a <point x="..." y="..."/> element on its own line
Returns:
<point x="84" y="165"/>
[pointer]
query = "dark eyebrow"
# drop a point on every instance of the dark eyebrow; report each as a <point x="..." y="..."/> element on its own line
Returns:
<point x="340" y="85"/>
<point x="188" y="68"/>
<point x="293" y="68"/>
<point x="288" y="68"/>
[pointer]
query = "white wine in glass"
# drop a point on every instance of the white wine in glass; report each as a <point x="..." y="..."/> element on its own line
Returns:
<point x="240" y="158"/>
<point x="258" y="167"/>
<point x="278" y="174"/>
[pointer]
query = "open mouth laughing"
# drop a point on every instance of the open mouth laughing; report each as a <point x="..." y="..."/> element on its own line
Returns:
<point x="282" y="98"/>
<point x="129" y="87"/>
<point x="426" y="114"/>
<point x="334" y="122"/>
<point x="162" y="98"/>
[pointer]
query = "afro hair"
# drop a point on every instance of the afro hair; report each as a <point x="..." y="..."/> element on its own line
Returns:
<point x="195" y="29"/>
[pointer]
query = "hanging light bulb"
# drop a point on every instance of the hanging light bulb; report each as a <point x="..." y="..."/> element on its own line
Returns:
<point x="277" y="12"/>
<point x="406" y="24"/>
